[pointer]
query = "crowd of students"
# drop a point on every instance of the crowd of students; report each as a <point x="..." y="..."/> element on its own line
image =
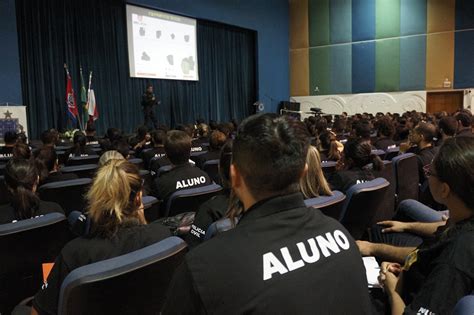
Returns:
<point x="280" y="257"/>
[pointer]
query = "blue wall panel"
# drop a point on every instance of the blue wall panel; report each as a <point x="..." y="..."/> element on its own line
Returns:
<point x="340" y="20"/>
<point x="463" y="60"/>
<point x="363" y="67"/>
<point x="464" y="14"/>
<point x="412" y="17"/>
<point x="363" y="20"/>
<point x="10" y="81"/>
<point x="341" y="69"/>
<point x="413" y="63"/>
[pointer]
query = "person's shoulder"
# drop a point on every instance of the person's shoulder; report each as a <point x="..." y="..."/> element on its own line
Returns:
<point x="6" y="214"/>
<point x="156" y="231"/>
<point x="50" y="206"/>
<point x="460" y="252"/>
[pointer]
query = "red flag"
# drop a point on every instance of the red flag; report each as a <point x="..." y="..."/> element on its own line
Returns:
<point x="71" y="100"/>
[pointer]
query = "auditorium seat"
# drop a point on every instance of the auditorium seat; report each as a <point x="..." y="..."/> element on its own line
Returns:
<point x="3" y="191"/>
<point x="24" y="246"/>
<point x="188" y="200"/>
<point x="328" y="167"/>
<point x="464" y="306"/>
<point x="363" y="202"/>
<point x="83" y="171"/>
<point x="388" y="208"/>
<point x="211" y="167"/>
<point x="151" y="208"/>
<point x="405" y="168"/>
<point x="329" y="205"/>
<point x="133" y="283"/>
<point x="2" y="169"/>
<point x="80" y="160"/>
<point x="138" y="162"/>
<point x="380" y="153"/>
<point x="4" y="160"/>
<point x="218" y="227"/>
<point x="68" y="193"/>
<point x="391" y="153"/>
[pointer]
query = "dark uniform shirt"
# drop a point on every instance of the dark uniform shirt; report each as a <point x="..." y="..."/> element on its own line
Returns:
<point x="384" y="143"/>
<point x="281" y="258"/>
<point x="8" y="213"/>
<point x="83" y="251"/>
<point x="343" y="180"/>
<point x="211" y="155"/>
<point x="157" y="163"/>
<point x="465" y="133"/>
<point x="424" y="157"/>
<point x="442" y="272"/>
<point x="180" y="177"/>
<point x="209" y="212"/>
<point x="153" y="153"/>
<point x="6" y="152"/>
<point x="87" y="152"/>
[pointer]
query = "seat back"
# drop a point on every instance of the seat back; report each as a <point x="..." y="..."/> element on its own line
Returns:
<point x="80" y="160"/>
<point x="380" y="153"/>
<point x="387" y="210"/>
<point x="83" y="171"/>
<point x="391" y="153"/>
<point x="329" y="205"/>
<point x="133" y="283"/>
<point x="406" y="176"/>
<point x="151" y="208"/>
<point x="363" y="202"/>
<point x="219" y="226"/>
<point x="138" y="162"/>
<point x="189" y="200"/>
<point x="211" y="167"/>
<point x="24" y="246"/>
<point x="2" y="169"/>
<point x="328" y="167"/>
<point x="464" y="306"/>
<point x="3" y="191"/>
<point x="68" y="193"/>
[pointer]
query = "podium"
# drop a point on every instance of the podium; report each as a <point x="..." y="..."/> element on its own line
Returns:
<point x="12" y="118"/>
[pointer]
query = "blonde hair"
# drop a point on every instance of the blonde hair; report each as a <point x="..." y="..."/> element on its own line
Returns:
<point x="110" y="155"/>
<point x="314" y="184"/>
<point x="112" y="199"/>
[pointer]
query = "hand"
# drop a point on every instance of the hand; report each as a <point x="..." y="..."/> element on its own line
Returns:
<point x="389" y="277"/>
<point x="393" y="226"/>
<point x="365" y="248"/>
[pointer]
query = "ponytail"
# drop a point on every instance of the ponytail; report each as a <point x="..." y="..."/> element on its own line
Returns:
<point x="333" y="154"/>
<point x="21" y="176"/>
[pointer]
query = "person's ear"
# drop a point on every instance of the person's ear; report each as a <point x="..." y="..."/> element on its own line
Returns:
<point x="138" y="198"/>
<point x="235" y="177"/>
<point x="445" y="191"/>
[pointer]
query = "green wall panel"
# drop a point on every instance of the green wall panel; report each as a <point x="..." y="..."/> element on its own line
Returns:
<point x="387" y="65"/>
<point x="318" y="15"/>
<point x="387" y="18"/>
<point x="319" y="70"/>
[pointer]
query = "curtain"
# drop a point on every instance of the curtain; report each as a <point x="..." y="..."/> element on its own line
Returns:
<point x="93" y="34"/>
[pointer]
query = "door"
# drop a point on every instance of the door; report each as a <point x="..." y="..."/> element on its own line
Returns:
<point x="449" y="101"/>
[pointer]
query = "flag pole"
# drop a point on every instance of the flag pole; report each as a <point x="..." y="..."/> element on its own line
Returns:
<point x="83" y="128"/>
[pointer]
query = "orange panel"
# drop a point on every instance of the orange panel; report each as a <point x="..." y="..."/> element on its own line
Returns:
<point x="441" y="15"/>
<point x="439" y="59"/>
<point x="299" y="72"/>
<point x="299" y="37"/>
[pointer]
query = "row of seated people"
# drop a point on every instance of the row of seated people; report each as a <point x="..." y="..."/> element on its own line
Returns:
<point x="267" y="175"/>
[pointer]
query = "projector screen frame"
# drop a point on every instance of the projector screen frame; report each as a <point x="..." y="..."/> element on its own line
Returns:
<point x="130" y="52"/>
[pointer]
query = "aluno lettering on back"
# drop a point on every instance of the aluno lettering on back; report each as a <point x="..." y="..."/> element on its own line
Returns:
<point x="185" y="183"/>
<point x="330" y="243"/>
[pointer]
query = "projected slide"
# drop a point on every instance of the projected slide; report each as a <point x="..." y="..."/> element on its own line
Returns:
<point x="161" y="45"/>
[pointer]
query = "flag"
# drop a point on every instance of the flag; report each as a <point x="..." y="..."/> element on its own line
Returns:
<point x="93" y="112"/>
<point x="71" y="101"/>
<point x="83" y="101"/>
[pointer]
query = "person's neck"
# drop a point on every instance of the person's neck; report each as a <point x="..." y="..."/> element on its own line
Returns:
<point x="422" y="145"/>
<point x="445" y="136"/>
<point x="458" y="210"/>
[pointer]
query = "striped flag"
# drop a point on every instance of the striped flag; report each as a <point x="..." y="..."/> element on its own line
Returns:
<point x="92" y="105"/>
